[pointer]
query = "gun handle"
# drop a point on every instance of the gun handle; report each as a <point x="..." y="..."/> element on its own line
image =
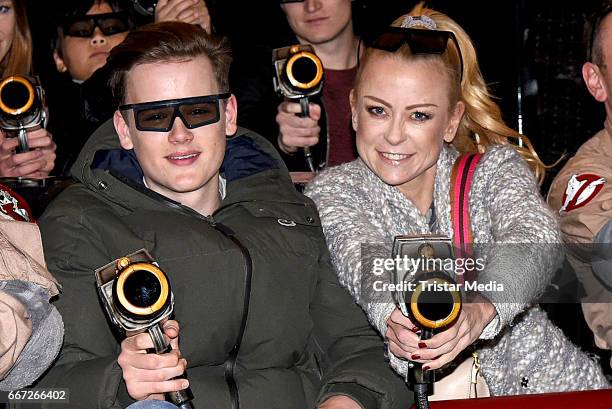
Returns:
<point x="307" y="152"/>
<point x="22" y="138"/>
<point x="181" y="398"/>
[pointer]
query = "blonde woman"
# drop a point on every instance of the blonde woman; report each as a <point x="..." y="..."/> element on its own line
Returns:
<point x="419" y="101"/>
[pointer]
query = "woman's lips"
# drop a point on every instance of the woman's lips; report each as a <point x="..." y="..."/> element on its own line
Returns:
<point x="183" y="158"/>
<point x="393" y="158"/>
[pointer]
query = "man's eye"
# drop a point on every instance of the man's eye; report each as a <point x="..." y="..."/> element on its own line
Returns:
<point x="199" y="112"/>
<point x="376" y="110"/>
<point x="155" y="117"/>
<point x="420" y="116"/>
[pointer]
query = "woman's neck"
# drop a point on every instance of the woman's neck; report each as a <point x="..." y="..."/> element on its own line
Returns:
<point x="420" y="190"/>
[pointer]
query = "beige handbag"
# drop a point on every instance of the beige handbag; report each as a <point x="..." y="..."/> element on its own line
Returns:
<point x="463" y="382"/>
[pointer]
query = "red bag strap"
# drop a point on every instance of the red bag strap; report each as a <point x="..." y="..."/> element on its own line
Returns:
<point x="461" y="182"/>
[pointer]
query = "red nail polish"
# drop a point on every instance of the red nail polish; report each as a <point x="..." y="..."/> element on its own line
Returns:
<point x="425" y="368"/>
<point x="422" y="345"/>
<point x="416" y="329"/>
<point x="413" y="357"/>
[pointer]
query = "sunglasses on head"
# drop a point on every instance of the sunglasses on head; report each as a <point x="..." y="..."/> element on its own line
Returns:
<point x="420" y="41"/>
<point x="159" y="116"/>
<point x="108" y="23"/>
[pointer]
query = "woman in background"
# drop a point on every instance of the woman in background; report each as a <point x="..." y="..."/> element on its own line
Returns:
<point x="16" y="59"/>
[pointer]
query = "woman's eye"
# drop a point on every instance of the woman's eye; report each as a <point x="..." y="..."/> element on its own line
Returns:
<point x="4" y="9"/>
<point x="376" y="110"/>
<point x="420" y="116"/>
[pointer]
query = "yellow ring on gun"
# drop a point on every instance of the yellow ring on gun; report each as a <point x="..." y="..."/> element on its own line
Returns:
<point x="314" y="59"/>
<point x="161" y="277"/>
<point x="31" y="93"/>
<point x="426" y="322"/>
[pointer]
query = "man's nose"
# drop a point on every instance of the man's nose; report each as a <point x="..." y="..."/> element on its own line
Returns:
<point x="179" y="132"/>
<point x="312" y="5"/>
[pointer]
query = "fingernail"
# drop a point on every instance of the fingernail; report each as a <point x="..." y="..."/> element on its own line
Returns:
<point x="415" y="356"/>
<point x="422" y="345"/>
<point x="426" y="368"/>
<point x="184" y="385"/>
<point x="416" y="329"/>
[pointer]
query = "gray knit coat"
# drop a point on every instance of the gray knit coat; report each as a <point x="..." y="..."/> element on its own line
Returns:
<point x="515" y="232"/>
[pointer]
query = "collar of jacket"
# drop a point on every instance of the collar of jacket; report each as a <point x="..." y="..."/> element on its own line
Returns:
<point x="252" y="167"/>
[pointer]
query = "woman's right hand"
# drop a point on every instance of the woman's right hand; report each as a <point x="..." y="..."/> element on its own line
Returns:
<point x="148" y="376"/>
<point x="38" y="162"/>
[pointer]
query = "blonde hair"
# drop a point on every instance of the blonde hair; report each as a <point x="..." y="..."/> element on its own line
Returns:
<point x="18" y="60"/>
<point x="482" y="124"/>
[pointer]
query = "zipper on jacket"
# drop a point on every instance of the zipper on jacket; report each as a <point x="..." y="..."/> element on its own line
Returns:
<point x="230" y="362"/>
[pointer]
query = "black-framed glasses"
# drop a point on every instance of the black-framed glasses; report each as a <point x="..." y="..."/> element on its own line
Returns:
<point x="159" y="116"/>
<point x="108" y="23"/>
<point x="420" y="41"/>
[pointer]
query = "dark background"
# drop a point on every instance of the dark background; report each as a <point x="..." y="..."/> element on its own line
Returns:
<point x="537" y="47"/>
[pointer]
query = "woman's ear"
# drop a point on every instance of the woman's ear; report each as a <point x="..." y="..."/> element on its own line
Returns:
<point x="455" y="120"/>
<point x="353" y="103"/>
<point x="593" y="79"/>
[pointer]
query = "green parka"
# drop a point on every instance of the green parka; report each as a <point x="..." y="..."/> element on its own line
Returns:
<point x="304" y="339"/>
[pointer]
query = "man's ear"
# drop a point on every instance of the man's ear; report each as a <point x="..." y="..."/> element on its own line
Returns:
<point x="455" y="120"/>
<point x="592" y="76"/>
<point x="231" y="116"/>
<point x="353" y="103"/>
<point x="123" y="130"/>
<point x="59" y="62"/>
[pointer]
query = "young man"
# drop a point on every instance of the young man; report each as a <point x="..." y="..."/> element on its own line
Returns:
<point x="327" y="25"/>
<point x="582" y="192"/>
<point x="263" y="319"/>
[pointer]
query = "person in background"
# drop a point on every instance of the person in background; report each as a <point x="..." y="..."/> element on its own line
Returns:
<point x="327" y="25"/>
<point x="16" y="59"/>
<point x="31" y="329"/>
<point x="419" y="102"/>
<point x="582" y="193"/>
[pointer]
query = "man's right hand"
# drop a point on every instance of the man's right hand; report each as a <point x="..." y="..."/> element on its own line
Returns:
<point x="295" y="131"/>
<point x="148" y="376"/>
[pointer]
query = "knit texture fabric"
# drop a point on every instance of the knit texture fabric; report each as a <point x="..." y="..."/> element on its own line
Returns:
<point x="514" y="231"/>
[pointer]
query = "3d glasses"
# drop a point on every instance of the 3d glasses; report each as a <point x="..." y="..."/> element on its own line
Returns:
<point x="420" y="41"/>
<point x="159" y="116"/>
<point x="108" y="23"/>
